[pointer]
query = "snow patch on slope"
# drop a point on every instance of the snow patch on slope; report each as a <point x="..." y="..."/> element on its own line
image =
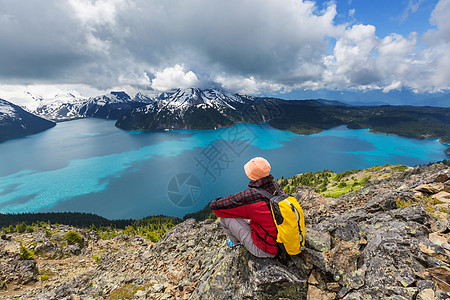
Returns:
<point x="180" y="100"/>
<point x="6" y="110"/>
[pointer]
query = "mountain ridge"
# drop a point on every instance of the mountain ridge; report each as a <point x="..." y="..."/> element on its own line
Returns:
<point x="16" y="122"/>
<point x="109" y="106"/>
<point x="192" y="108"/>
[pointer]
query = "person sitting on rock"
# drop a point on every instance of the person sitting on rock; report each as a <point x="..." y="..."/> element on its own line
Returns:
<point x="259" y="234"/>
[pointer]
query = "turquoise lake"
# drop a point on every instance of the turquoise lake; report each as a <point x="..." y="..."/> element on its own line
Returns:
<point x="89" y="165"/>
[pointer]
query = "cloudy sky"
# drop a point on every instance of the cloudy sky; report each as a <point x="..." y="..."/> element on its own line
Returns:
<point x="265" y="47"/>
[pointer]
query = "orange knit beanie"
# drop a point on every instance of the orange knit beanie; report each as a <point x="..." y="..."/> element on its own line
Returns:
<point x="257" y="168"/>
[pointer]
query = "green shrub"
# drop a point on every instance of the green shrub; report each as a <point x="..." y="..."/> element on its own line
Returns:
<point x="444" y="210"/>
<point x="25" y="253"/>
<point x="30" y="229"/>
<point x="400" y="168"/>
<point x="129" y="230"/>
<point x="73" y="237"/>
<point x="97" y="258"/>
<point x="434" y="201"/>
<point x="44" y="277"/>
<point x="428" y="203"/>
<point x="48" y="233"/>
<point x="21" y="227"/>
<point x="127" y="291"/>
<point x="342" y="185"/>
<point x="364" y="181"/>
<point x="107" y="233"/>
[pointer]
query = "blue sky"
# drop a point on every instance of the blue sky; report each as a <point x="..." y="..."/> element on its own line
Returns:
<point x="401" y="16"/>
<point x="372" y="51"/>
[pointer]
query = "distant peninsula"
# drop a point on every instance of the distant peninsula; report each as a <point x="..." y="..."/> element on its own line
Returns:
<point x="209" y="109"/>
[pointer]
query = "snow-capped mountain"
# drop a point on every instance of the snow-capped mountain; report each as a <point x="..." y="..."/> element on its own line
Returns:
<point x="183" y="108"/>
<point x="140" y="97"/>
<point x="195" y="109"/>
<point x="183" y="99"/>
<point x="66" y="107"/>
<point x="7" y="110"/>
<point x="15" y="121"/>
<point x="31" y="101"/>
<point x="60" y="107"/>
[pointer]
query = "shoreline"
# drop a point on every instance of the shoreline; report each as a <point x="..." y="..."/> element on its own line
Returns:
<point x="439" y="139"/>
<point x="299" y="132"/>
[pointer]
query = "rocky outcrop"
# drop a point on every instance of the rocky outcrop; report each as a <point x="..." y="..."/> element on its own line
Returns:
<point x="381" y="250"/>
<point x="390" y="242"/>
<point x="49" y="250"/>
<point x="14" y="270"/>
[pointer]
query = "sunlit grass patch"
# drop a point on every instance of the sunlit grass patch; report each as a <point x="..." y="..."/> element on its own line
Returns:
<point x="431" y="205"/>
<point x="331" y="184"/>
<point x="127" y="291"/>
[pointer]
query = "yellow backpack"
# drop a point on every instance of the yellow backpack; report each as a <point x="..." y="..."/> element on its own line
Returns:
<point x="289" y="220"/>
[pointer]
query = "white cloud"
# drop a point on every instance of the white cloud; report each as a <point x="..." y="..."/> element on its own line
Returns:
<point x="436" y="57"/>
<point x="174" y="77"/>
<point x="412" y="7"/>
<point x="396" y="85"/>
<point x="95" y="44"/>
<point x="47" y="90"/>
<point x="240" y="85"/>
<point x="25" y="95"/>
<point x="99" y="12"/>
<point x="436" y="62"/>
<point x="247" y="46"/>
<point x="266" y="40"/>
<point x="352" y="62"/>
<point x="395" y="60"/>
<point x="351" y="13"/>
<point x="397" y="45"/>
<point x="361" y="60"/>
<point x="97" y="18"/>
<point x="440" y="17"/>
<point x="247" y="85"/>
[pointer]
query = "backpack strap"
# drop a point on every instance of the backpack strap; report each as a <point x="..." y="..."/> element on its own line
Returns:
<point x="267" y="234"/>
<point x="278" y="188"/>
<point x="263" y="192"/>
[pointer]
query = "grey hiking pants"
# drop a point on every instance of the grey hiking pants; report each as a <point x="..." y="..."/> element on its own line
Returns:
<point x="239" y="231"/>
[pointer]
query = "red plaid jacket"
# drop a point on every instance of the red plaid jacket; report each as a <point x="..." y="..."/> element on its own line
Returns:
<point x="251" y="205"/>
